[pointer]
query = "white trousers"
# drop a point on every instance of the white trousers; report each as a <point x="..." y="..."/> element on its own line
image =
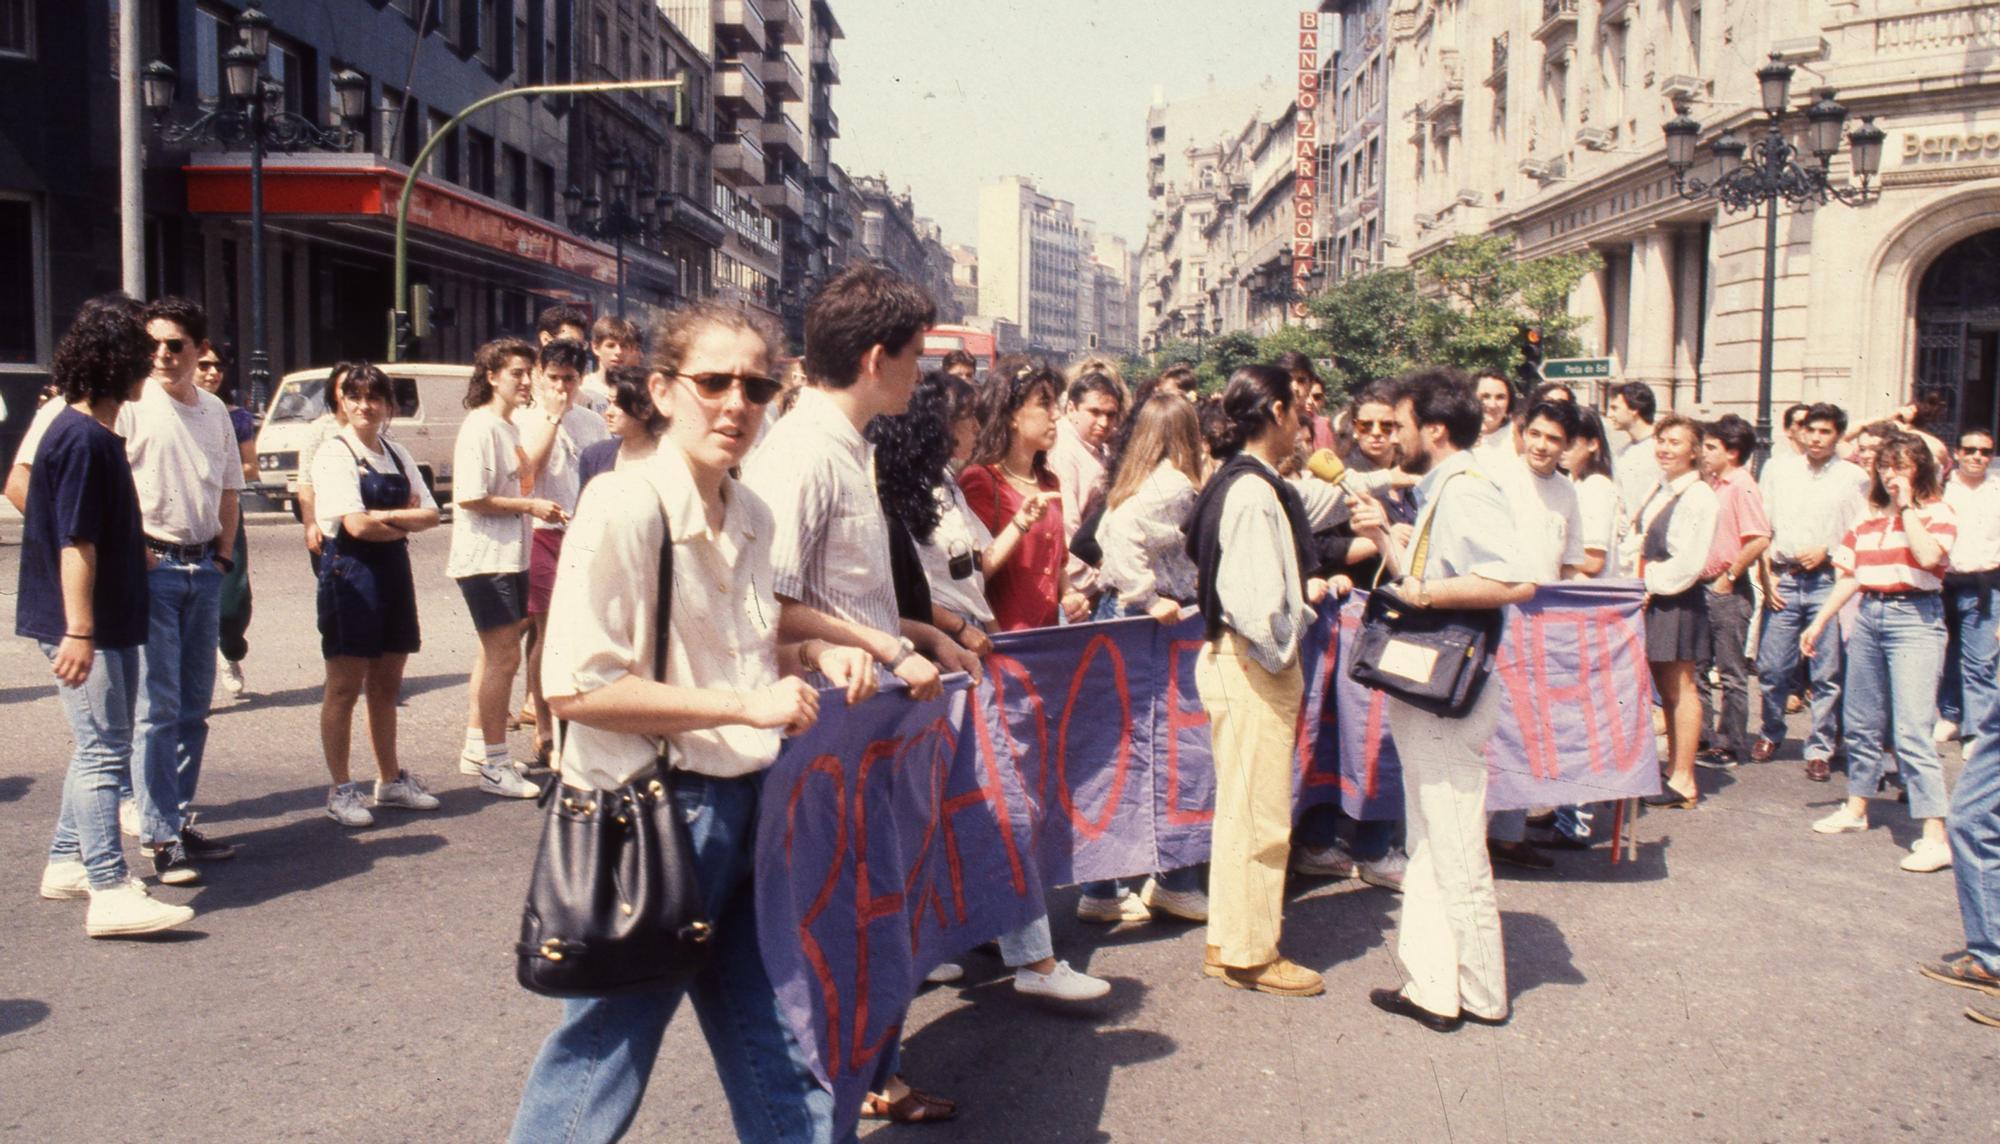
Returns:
<point x="1449" y="936"/>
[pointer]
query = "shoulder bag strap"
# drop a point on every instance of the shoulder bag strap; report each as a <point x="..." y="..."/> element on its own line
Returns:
<point x="666" y="607"/>
<point x="1420" y="551"/>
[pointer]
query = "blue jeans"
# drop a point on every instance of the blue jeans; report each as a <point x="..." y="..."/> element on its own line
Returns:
<point x="100" y="719"/>
<point x="1778" y="661"/>
<point x="1027" y="945"/>
<point x="1972" y="655"/>
<point x="176" y="687"/>
<point x="588" y="1079"/>
<point x="1895" y="654"/>
<point x="1974" y="829"/>
<point x="1175" y="881"/>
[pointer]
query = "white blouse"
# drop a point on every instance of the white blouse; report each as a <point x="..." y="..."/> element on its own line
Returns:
<point x="1145" y="541"/>
<point x="1690" y="534"/>
<point x="959" y="529"/>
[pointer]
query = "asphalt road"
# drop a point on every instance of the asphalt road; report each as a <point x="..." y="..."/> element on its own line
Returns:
<point x="1743" y="980"/>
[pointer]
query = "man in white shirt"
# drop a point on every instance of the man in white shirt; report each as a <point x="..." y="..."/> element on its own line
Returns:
<point x="1631" y="410"/>
<point x="189" y="473"/>
<point x="1813" y="499"/>
<point x="555" y="430"/>
<point x="1968" y="686"/>
<point x="1091" y="411"/>
<point x="615" y="341"/>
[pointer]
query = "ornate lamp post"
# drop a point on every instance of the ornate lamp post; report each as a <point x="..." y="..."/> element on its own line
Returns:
<point x="619" y="220"/>
<point x="1775" y="171"/>
<point x="249" y="113"/>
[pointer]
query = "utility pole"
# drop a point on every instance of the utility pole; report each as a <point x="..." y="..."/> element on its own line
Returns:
<point x="131" y="157"/>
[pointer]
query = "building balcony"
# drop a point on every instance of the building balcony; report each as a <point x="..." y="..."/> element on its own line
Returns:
<point x="782" y="78"/>
<point x="1496" y="76"/>
<point x="784" y="198"/>
<point x="825" y="120"/>
<point x="782" y="137"/>
<point x="693" y="218"/>
<point x="822" y="177"/>
<point x="784" y="22"/>
<point x="739" y="92"/>
<point x="823" y="19"/>
<point x="739" y="25"/>
<point x="1448" y="98"/>
<point x="738" y="158"/>
<point x="826" y="68"/>
<point x="1558" y="19"/>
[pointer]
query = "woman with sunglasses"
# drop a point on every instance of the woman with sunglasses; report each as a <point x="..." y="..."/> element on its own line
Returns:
<point x="1009" y="485"/>
<point x="489" y="554"/>
<point x="210" y="374"/>
<point x="370" y="500"/>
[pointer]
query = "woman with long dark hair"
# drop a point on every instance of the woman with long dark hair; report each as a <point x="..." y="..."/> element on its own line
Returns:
<point x="1894" y="559"/>
<point x="915" y="452"/>
<point x="1008" y="483"/>
<point x="1249" y="538"/>
<point x="1588" y="461"/>
<point x="370" y="500"/>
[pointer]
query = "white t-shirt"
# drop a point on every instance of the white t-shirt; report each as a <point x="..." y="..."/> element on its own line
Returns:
<point x="325" y="429"/>
<point x="594" y="394"/>
<point x="559" y="480"/>
<point x="31" y="441"/>
<point x="337" y="478"/>
<point x="1549" y="519"/>
<point x="486" y="462"/>
<point x="1603" y="520"/>
<point x="1495" y="449"/>
<point x="184" y="457"/>
<point x="1638" y="469"/>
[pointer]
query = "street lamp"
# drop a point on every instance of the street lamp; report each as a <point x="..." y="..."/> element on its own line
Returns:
<point x="249" y="112"/>
<point x="621" y="219"/>
<point x="1776" y="172"/>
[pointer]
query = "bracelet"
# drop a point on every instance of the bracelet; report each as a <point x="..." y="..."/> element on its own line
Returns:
<point x="1016" y="522"/>
<point x="79" y="636"/>
<point x="814" y="664"/>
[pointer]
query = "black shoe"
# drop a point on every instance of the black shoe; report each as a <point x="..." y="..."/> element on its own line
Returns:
<point x="1716" y="759"/>
<point x="1547" y="818"/>
<point x="171" y="865"/>
<point x="201" y="848"/>
<point x="1519" y="854"/>
<point x="1671" y="799"/>
<point x="1392" y="1001"/>
<point x="1560" y="841"/>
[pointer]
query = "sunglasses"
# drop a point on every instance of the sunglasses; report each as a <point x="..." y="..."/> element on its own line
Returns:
<point x="1375" y="426"/>
<point x="172" y="345"/>
<point x="1976" y="450"/>
<point x="757" y="390"/>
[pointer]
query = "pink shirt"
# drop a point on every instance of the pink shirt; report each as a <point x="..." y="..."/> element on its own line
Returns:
<point x="1739" y="517"/>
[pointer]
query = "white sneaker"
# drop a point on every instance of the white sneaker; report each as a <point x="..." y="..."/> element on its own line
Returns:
<point x="1324" y="862"/>
<point x="1060" y="984"/>
<point x="232" y="676"/>
<point x="62" y="880"/>
<point x="944" y="973"/>
<point x="1387" y="871"/>
<point x="1187" y="905"/>
<point x="470" y="764"/>
<point x="1112" y="911"/>
<point x="1842" y="821"/>
<point x="128" y="909"/>
<point x="408" y="792"/>
<point x="1946" y="731"/>
<point x="1927" y="856"/>
<point x="506" y="781"/>
<point x="345" y="805"/>
<point x="128" y="817"/>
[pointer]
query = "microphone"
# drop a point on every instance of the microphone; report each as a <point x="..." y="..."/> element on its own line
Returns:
<point x="1327" y="466"/>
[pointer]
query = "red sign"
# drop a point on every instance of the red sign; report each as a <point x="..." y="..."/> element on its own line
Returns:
<point x="1305" y="162"/>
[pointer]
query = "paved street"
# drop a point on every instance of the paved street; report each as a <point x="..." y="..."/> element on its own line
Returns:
<point x="1743" y="980"/>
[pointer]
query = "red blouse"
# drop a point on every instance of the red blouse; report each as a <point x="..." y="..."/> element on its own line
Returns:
<point x="1024" y="592"/>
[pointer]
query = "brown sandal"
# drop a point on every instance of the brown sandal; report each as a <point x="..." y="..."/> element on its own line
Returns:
<point x="915" y="1107"/>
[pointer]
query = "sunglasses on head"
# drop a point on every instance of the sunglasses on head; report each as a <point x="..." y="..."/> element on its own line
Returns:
<point x="172" y="345"/>
<point x="1976" y="450"/>
<point x="758" y="390"/>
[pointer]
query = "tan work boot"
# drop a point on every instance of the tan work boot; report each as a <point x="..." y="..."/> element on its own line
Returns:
<point x="1211" y="961"/>
<point x="1284" y="977"/>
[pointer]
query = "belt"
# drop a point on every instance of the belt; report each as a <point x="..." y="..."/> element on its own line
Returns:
<point x="185" y="553"/>
<point x="1903" y="594"/>
<point x="1793" y="566"/>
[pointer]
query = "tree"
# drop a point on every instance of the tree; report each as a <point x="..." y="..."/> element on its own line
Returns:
<point x="1223" y="354"/>
<point x="1493" y="293"/>
<point x="1378" y="325"/>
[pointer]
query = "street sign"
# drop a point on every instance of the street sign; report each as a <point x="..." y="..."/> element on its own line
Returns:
<point x="1579" y="368"/>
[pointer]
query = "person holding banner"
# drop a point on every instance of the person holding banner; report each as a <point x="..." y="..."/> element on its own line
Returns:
<point x="730" y="693"/>
<point x="1449" y="935"/>
<point x="1672" y="532"/>
<point x="1249" y="539"/>
<point x="1009" y="482"/>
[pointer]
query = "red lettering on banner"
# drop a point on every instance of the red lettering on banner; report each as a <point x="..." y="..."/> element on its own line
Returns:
<point x="1180" y="718"/>
<point x="1625" y="751"/>
<point x="938" y="733"/>
<point x="868" y="907"/>
<point x="1309" y="729"/>
<point x="1546" y="697"/>
<point x="991" y="791"/>
<point x="1122" y="765"/>
<point x="815" y="956"/>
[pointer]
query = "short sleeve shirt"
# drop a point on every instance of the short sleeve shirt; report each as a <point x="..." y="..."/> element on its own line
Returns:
<point x="1597" y="500"/>
<point x="1548" y="516"/>
<point x="337" y="477"/>
<point x="184" y="457"/>
<point x="1473" y="533"/>
<point x="82" y="493"/>
<point x="1877" y="551"/>
<point x="561" y="478"/>
<point x="486" y="462"/>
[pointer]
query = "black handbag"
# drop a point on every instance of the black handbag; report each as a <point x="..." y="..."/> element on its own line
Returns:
<point x="613" y="903"/>
<point x="1436" y="659"/>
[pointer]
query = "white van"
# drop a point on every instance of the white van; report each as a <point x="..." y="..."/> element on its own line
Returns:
<point x="430" y="405"/>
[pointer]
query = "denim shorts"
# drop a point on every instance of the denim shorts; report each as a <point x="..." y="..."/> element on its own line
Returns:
<point x="495" y="599"/>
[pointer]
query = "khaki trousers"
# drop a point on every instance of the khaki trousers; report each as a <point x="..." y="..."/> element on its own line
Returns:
<point x="1449" y="936"/>
<point x="1253" y="728"/>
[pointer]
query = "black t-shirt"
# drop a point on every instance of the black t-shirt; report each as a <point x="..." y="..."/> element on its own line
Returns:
<point x="80" y="492"/>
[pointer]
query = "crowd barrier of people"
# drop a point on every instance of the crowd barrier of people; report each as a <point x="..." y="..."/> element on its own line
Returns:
<point x="847" y="519"/>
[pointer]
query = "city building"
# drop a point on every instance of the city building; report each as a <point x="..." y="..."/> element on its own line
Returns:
<point x="938" y="268"/>
<point x="1031" y="256"/>
<point x="965" y="280"/>
<point x="1353" y="135"/>
<point x="1554" y="139"/>
<point x="888" y="227"/>
<point x="1114" y="317"/>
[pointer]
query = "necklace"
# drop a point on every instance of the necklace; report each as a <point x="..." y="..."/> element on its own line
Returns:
<point x="1018" y="478"/>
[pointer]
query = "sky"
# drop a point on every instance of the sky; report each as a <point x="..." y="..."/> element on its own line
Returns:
<point x="943" y="96"/>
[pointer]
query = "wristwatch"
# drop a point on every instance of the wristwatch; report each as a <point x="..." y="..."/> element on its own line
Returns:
<point x="904" y="650"/>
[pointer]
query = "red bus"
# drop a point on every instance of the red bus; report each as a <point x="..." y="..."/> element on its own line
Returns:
<point x="941" y="340"/>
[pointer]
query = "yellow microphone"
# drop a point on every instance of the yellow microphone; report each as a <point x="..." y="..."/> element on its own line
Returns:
<point x="1327" y="466"/>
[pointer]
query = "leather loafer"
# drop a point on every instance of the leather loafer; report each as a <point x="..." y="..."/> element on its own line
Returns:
<point x="1393" y="1002"/>
<point x="1671" y="799"/>
<point x="1762" y="750"/>
<point x="1519" y="854"/>
<point x="1818" y="771"/>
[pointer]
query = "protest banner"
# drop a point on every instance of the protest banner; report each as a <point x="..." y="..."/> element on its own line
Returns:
<point x="897" y="834"/>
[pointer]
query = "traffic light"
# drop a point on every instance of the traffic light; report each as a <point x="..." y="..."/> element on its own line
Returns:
<point x="1530" y="372"/>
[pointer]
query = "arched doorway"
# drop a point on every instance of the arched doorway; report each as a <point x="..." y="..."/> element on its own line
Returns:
<point x="1958" y="333"/>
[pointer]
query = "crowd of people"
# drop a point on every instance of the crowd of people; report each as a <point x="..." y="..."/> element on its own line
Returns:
<point x="848" y="518"/>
